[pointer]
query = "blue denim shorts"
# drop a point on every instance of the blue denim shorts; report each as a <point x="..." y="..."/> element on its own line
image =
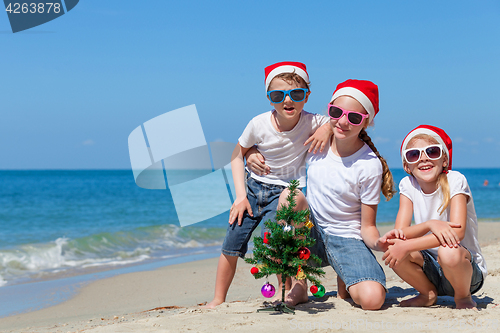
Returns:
<point x="351" y="259"/>
<point x="263" y="199"/>
<point x="434" y="273"/>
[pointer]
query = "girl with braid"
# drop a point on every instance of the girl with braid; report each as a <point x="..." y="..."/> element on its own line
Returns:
<point x="343" y="191"/>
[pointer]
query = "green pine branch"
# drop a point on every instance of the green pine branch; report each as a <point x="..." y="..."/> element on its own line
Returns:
<point x="280" y="254"/>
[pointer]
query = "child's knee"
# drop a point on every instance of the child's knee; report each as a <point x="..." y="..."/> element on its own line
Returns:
<point x="373" y="299"/>
<point x="300" y="199"/>
<point x="370" y="295"/>
<point x="283" y="196"/>
<point x="451" y="257"/>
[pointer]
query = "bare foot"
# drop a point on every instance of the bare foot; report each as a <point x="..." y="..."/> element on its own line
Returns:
<point x="212" y="305"/>
<point x="298" y="293"/>
<point x="277" y="297"/>
<point x="420" y="300"/>
<point x="342" y="292"/>
<point x="465" y="303"/>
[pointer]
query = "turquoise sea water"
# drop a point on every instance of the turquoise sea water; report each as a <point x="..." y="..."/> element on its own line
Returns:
<point x="67" y="223"/>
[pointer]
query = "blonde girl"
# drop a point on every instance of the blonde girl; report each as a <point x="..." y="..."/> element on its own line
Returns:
<point x="441" y="255"/>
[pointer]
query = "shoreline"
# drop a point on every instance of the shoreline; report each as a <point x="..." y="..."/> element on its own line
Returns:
<point x="27" y="297"/>
<point x="171" y="294"/>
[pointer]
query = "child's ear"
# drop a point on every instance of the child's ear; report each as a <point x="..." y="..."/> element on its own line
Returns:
<point x="405" y="167"/>
<point x="445" y="165"/>
<point x="307" y="96"/>
<point x="367" y="123"/>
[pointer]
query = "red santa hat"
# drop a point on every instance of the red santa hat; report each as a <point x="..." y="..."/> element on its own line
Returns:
<point x="285" y="67"/>
<point x="365" y="92"/>
<point x="441" y="137"/>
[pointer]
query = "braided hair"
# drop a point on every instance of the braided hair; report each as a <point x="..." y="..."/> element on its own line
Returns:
<point x="387" y="181"/>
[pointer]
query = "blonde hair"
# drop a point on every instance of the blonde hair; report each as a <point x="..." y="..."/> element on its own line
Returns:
<point x="387" y="187"/>
<point x="442" y="180"/>
<point x="291" y="77"/>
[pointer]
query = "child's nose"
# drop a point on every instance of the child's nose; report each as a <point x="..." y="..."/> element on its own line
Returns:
<point x="423" y="156"/>
<point x="343" y="120"/>
<point x="287" y="98"/>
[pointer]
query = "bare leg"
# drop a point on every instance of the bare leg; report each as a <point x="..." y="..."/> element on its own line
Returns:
<point x="288" y="286"/>
<point x="341" y="289"/>
<point x="457" y="268"/>
<point x="410" y="270"/>
<point x="370" y="295"/>
<point x="298" y="293"/>
<point x="225" y="273"/>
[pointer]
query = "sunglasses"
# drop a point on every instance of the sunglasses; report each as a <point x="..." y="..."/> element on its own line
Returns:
<point x="296" y="95"/>
<point x="354" y="118"/>
<point x="412" y="155"/>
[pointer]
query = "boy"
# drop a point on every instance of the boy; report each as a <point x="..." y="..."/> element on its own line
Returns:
<point x="279" y="135"/>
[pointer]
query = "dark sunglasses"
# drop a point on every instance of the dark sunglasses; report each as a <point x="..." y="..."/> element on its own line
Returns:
<point x="433" y="152"/>
<point x="296" y="95"/>
<point x="354" y="118"/>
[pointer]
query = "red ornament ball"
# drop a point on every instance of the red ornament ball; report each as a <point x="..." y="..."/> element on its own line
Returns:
<point x="265" y="237"/>
<point x="304" y="253"/>
<point x="313" y="289"/>
<point x="254" y="270"/>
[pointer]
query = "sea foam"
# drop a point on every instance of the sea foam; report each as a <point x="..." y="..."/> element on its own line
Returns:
<point x="42" y="260"/>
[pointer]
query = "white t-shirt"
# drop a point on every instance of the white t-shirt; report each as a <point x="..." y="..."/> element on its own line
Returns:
<point x="337" y="186"/>
<point x="426" y="207"/>
<point x="284" y="152"/>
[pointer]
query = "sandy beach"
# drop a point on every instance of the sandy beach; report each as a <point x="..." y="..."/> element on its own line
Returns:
<point x="167" y="300"/>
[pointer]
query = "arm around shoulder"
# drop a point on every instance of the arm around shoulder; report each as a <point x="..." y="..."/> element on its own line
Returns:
<point x="320" y="138"/>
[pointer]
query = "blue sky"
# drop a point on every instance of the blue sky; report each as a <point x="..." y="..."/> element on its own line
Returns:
<point x="73" y="89"/>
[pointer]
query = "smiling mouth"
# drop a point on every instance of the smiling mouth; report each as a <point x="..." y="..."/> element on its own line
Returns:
<point x="425" y="168"/>
<point x="341" y="129"/>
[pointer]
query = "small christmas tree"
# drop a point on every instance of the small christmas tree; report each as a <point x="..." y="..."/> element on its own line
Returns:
<point x="284" y="250"/>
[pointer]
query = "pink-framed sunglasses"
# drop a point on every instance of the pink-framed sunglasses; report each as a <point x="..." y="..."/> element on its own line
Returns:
<point x="354" y="118"/>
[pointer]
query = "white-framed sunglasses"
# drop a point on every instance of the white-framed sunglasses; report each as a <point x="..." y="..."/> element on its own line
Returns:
<point x="413" y="155"/>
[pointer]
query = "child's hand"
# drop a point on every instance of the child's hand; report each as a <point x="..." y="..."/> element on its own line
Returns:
<point x="382" y="243"/>
<point x="396" y="252"/>
<point x="320" y="138"/>
<point x="394" y="233"/>
<point x="238" y="209"/>
<point x="256" y="162"/>
<point x="445" y="233"/>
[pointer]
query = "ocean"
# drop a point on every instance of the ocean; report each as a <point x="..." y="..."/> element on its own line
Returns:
<point x="60" y="223"/>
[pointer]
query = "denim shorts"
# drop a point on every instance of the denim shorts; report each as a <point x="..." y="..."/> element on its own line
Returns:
<point x="434" y="273"/>
<point x="351" y="259"/>
<point x="263" y="199"/>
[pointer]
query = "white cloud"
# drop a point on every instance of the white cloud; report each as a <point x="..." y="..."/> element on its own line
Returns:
<point x="88" y="142"/>
<point x="379" y="140"/>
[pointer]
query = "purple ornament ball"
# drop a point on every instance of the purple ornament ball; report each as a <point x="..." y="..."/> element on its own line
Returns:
<point x="268" y="290"/>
